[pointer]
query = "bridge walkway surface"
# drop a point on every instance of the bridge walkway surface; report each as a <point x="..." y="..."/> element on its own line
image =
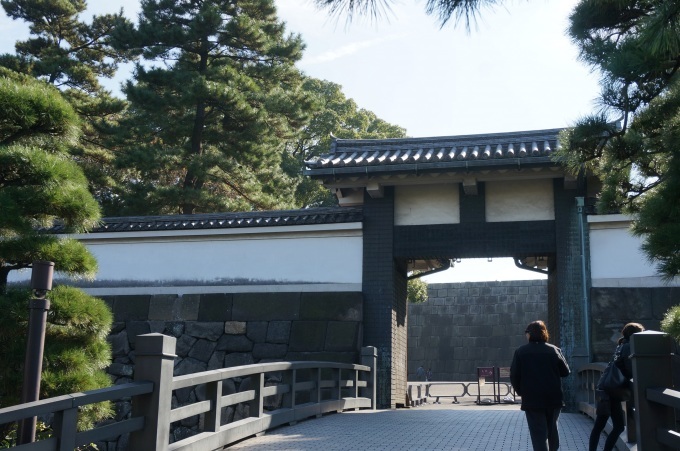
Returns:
<point x="453" y="427"/>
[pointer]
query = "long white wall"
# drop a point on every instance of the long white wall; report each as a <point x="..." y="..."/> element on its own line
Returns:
<point x="326" y="257"/>
<point x="616" y="258"/>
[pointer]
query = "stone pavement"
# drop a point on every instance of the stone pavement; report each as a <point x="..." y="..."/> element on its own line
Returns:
<point x="453" y="427"/>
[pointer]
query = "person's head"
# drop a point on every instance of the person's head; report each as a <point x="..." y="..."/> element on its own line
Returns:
<point x="631" y="328"/>
<point x="536" y="331"/>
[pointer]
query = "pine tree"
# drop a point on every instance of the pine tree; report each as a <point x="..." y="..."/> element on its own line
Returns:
<point x="211" y="105"/>
<point x="39" y="184"/>
<point x="465" y="10"/>
<point x="633" y="143"/>
<point x="332" y="113"/>
<point x="74" y="55"/>
<point x="76" y="349"/>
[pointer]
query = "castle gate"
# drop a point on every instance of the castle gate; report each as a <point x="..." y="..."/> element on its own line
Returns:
<point x="427" y="201"/>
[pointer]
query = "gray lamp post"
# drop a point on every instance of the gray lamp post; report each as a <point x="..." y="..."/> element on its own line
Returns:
<point x="41" y="283"/>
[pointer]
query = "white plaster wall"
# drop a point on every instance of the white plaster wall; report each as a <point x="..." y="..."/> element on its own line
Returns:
<point x="286" y="256"/>
<point x="519" y="200"/>
<point x="616" y="258"/>
<point x="427" y="204"/>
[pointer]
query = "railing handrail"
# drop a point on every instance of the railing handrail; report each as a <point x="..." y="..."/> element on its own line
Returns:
<point x="73" y="400"/>
<point x="208" y="376"/>
<point x="151" y="393"/>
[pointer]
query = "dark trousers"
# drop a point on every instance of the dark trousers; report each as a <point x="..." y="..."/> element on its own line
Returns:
<point x="618" y="425"/>
<point x="543" y="428"/>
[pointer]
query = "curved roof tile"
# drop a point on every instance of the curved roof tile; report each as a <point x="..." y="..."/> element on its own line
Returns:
<point x="330" y="215"/>
<point x="405" y="154"/>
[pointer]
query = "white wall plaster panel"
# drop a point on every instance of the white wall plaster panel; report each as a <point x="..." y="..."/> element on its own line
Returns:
<point x="331" y="257"/>
<point x="519" y="200"/>
<point x="427" y="204"/>
<point x="616" y="257"/>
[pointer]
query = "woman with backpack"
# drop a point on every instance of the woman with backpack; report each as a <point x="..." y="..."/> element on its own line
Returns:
<point x="609" y="404"/>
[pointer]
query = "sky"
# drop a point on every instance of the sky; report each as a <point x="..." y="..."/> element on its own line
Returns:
<point x="514" y="70"/>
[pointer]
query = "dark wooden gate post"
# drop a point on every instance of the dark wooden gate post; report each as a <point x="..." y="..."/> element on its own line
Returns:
<point x="155" y="358"/>
<point x="652" y="368"/>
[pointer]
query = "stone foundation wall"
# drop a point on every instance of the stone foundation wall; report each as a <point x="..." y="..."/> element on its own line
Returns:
<point x="612" y="308"/>
<point x="473" y="324"/>
<point x="228" y="329"/>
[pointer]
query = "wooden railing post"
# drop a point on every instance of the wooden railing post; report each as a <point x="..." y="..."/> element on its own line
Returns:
<point x="155" y="354"/>
<point x="651" y="355"/>
<point x="257" y="404"/>
<point x="369" y="357"/>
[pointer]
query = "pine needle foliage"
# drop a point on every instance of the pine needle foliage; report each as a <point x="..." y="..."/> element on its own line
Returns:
<point x="212" y="103"/>
<point x="39" y="184"/>
<point x="76" y="351"/>
<point x="632" y="143"/>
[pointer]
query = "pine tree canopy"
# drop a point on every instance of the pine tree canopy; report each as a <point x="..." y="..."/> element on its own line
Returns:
<point x="74" y="56"/>
<point x="461" y="10"/>
<point x="39" y="183"/>
<point x="211" y="105"/>
<point x="333" y="114"/>
<point x="633" y="142"/>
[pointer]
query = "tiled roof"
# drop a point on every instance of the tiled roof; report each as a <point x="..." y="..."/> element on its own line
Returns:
<point x="354" y="156"/>
<point x="331" y="215"/>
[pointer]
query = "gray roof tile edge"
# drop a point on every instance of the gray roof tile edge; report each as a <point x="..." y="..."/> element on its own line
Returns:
<point x="524" y="145"/>
<point x="230" y="220"/>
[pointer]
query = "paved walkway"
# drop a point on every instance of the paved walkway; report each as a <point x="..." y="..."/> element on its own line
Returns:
<point x="452" y="427"/>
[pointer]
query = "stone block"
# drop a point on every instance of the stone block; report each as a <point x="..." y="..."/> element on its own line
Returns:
<point x="663" y="298"/>
<point x="216" y="360"/>
<point x="256" y="331"/>
<point x="266" y="306"/>
<point x="201" y="329"/>
<point x="116" y="327"/>
<point x="120" y="347"/>
<point x="621" y="304"/>
<point x="135" y="328"/>
<point x="187" y="307"/>
<point x="189" y="366"/>
<point x="235" y="327"/>
<point x="269" y="351"/>
<point x="331" y="306"/>
<point x="278" y="332"/>
<point x="131" y="308"/>
<point x="163" y="307"/>
<point x="235" y="343"/>
<point x="308" y="336"/>
<point x="238" y="358"/>
<point x="215" y="307"/>
<point x="174" y="329"/>
<point x="117" y="369"/>
<point x="342" y="336"/>
<point x="184" y="345"/>
<point x="202" y="350"/>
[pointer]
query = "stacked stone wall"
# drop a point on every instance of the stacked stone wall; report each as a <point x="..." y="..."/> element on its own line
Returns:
<point x="468" y="325"/>
<point x="228" y="329"/>
<point x="612" y="308"/>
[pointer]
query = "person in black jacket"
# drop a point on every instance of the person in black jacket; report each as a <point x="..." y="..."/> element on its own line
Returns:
<point x="611" y="405"/>
<point x="536" y="372"/>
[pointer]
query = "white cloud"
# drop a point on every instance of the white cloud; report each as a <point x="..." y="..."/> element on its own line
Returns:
<point x="347" y="50"/>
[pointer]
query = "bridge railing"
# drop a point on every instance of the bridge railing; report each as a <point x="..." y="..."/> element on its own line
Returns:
<point x="588" y="376"/>
<point x="306" y="389"/>
<point x="652" y="425"/>
<point x="419" y="392"/>
<point x="655" y="400"/>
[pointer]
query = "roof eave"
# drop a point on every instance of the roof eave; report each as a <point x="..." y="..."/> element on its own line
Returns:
<point x="420" y="168"/>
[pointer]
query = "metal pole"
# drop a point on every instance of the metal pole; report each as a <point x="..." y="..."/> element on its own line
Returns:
<point x="580" y="204"/>
<point x="33" y="364"/>
<point x="41" y="283"/>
